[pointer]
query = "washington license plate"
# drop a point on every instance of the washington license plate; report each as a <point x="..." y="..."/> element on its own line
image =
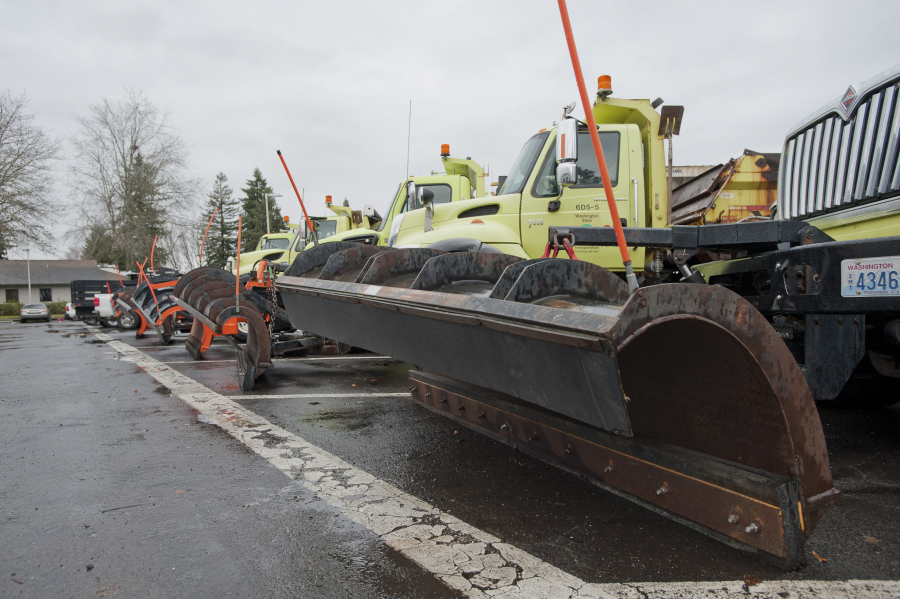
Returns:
<point x="870" y="276"/>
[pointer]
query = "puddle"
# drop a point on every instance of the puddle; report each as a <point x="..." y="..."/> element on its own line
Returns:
<point x="347" y="419"/>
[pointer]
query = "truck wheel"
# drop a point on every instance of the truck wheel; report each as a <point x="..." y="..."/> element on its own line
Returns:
<point x="109" y="323"/>
<point x="127" y="321"/>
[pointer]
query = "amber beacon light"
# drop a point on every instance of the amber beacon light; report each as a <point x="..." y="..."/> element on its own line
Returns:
<point x="445" y="149"/>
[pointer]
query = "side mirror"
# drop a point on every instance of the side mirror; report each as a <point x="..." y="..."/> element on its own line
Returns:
<point x="410" y="196"/>
<point x="427" y="199"/>
<point x="567" y="152"/>
<point x="566" y="174"/>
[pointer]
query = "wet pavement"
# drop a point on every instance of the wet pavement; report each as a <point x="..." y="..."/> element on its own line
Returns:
<point x="111" y="484"/>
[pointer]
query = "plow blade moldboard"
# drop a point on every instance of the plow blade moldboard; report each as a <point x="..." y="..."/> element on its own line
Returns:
<point x="208" y="294"/>
<point x="685" y="392"/>
<point x="156" y="307"/>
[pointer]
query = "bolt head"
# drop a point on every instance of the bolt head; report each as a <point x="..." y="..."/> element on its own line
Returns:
<point x="662" y="490"/>
<point x="734" y="519"/>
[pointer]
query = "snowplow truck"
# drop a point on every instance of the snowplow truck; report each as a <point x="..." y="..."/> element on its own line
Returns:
<point x="826" y="272"/>
<point x="558" y="358"/>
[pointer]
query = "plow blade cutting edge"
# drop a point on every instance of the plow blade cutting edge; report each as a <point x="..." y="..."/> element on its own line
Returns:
<point x="679" y="397"/>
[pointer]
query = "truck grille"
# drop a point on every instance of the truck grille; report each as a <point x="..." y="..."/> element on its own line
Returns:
<point x="834" y="163"/>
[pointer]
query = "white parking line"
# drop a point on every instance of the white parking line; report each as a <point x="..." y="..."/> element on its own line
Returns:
<point x="462" y="556"/>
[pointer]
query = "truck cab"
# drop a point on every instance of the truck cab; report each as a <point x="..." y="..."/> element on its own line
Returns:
<point x="462" y="179"/>
<point x="516" y="221"/>
<point x="284" y="247"/>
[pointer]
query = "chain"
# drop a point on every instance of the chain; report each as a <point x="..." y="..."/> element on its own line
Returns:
<point x="270" y="287"/>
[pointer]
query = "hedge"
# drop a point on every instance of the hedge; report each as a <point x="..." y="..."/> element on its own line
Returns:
<point x="12" y="308"/>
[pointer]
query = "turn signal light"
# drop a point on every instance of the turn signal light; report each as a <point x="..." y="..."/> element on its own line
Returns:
<point x="445" y="149"/>
<point x="327" y="199"/>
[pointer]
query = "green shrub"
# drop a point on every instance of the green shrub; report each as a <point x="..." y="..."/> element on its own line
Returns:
<point x="10" y="308"/>
<point x="56" y="307"/>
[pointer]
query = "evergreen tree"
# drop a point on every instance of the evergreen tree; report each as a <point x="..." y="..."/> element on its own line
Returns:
<point x="221" y="241"/>
<point x="140" y="220"/>
<point x="254" y="212"/>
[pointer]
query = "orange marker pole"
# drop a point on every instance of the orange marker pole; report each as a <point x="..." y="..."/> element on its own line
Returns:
<point x="117" y="274"/>
<point x="200" y="263"/>
<point x="308" y="223"/>
<point x="598" y="149"/>
<point x="149" y="286"/>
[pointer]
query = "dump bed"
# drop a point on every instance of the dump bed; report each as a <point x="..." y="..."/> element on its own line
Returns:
<point x="83" y="292"/>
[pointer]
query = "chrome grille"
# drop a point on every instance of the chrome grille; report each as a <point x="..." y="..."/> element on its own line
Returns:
<point x="833" y="163"/>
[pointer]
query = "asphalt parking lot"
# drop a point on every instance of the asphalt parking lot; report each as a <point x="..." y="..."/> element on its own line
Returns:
<point x="129" y="469"/>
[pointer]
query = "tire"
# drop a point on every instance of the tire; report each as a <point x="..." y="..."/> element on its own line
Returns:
<point x="242" y="332"/>
<point x="21" y="321"/>
<point x="109" y="323"/>
<point x="127" y="321"/>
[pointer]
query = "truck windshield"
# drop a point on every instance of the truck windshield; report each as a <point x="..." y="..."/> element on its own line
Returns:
<point x="588" y="171"/>
<point x="279" y="243"/>
<point x="390" y="211"/>
<point x="515" y="182"/>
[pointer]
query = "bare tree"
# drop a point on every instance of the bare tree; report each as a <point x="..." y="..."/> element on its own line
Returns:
<point x="131" y="182"/>
<point x="26" y="157"/>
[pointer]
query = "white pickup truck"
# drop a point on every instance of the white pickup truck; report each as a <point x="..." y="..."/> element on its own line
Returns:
<point x="104" y="310"/>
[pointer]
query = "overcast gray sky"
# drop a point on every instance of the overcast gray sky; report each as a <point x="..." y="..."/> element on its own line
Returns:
<point x="329" y="83"/>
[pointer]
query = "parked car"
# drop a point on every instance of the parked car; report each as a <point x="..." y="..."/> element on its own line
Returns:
<point x="70" y="312"/>
<point x="34" y="312"/>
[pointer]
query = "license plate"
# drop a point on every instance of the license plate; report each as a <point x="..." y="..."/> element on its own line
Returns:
<point x="866" y="277"/>
<point x="34" y="311"/>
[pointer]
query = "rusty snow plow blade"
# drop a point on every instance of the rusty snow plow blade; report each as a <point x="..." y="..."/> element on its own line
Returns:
<point x="209" y="295"/>
<point x="556" y="358"/>
<point x="153" y="303"/>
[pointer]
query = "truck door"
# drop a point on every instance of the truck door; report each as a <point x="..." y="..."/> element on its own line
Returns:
<point x="412" y="218"/>
<point x="584" y="204"/>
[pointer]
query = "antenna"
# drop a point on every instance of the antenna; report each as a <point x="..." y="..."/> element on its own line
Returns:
<point x="408" y="133"/>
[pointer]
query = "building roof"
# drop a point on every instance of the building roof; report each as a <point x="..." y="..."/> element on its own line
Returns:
<point x="51" y="272"/>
